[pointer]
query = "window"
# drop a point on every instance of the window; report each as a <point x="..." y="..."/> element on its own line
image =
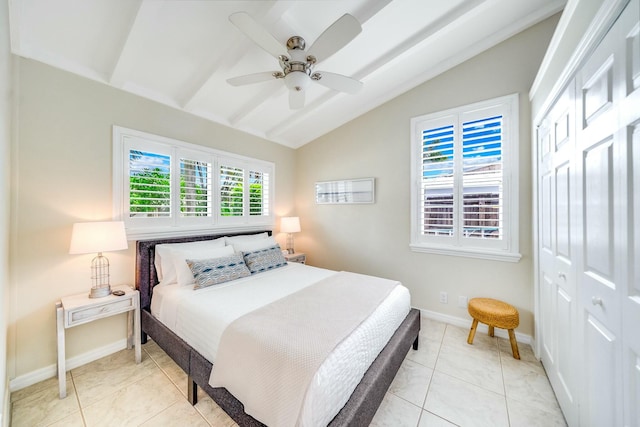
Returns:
<point x="464" y="181"/>
<point x="244" y="190"/>
<point x="169" y="187"/>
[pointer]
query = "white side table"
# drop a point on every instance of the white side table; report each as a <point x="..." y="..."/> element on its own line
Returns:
<point x="296" y="257"/>
<point x="78" y="309"/>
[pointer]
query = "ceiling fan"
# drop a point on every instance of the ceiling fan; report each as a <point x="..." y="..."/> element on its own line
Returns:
<point x="297" y="63"/>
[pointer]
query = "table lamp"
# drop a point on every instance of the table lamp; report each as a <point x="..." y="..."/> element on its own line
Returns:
<point x="90" y="237"/>
<point x="290" y="225"/>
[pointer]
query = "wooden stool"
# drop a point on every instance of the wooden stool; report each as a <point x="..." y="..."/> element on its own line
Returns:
<point x="497" y="314"/>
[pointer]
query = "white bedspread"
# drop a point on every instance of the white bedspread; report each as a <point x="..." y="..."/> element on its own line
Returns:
<point x="200" y="317"/>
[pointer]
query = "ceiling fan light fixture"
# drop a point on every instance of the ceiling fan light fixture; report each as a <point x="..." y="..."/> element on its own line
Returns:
<point x="297" y="80"/>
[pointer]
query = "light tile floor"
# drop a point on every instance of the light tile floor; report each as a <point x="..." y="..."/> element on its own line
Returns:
<point x="445" y="382"/>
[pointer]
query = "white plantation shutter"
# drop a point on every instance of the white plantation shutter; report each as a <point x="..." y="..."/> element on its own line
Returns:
<point x="482" y="191"/>
<point x="259" y="192"/>
<point x="149" y="184"/>
<point x="437" y="181"/>
<point x="231" y="191"/>
<point x="195" y="188"/>
<point x="244" y="191"/>
<point x="464" y="200"/>
<point x="168" y="187"/>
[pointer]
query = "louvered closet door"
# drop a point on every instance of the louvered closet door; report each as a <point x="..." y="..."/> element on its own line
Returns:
<point x="557" y="289"/>
<point x="606" y="140"/>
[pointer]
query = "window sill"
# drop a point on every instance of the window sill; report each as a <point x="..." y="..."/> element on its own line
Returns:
<point x="167" y="232"/>
<point x="487" y="254"/>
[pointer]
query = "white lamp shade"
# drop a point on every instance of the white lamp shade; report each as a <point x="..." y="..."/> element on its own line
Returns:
<point x="94" y="237"/>
<point x="290" y="224"/>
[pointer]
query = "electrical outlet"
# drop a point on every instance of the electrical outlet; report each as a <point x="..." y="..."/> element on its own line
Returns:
<point x="444" y="298"/>
<point x="462" y="302"/>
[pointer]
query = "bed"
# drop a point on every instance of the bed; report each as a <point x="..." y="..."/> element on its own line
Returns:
<point x="362" y="403"/>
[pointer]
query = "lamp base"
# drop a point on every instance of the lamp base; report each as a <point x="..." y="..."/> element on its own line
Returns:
<point x="100" y="291"/>
<point x="290" y="243"/>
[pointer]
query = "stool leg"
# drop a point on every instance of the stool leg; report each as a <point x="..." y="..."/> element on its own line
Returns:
<point x="514" y="344"/>
<point x="472" y="332"/>
<point x="491" y="331"/>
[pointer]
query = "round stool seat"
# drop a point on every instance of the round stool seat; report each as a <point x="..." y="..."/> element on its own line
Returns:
<point x="494" y="313"/>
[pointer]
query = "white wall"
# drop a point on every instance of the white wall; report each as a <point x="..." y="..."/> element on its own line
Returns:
<point x="374" y="239"/>
<point x="5" y="140"/>
<point x="62" y="174"/>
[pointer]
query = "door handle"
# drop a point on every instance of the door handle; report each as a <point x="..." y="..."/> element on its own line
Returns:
<point x="596" y="301"/>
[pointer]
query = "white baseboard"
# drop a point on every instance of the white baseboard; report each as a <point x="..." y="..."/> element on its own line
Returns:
<point x="51" y="371"/>
<point x="466" y="323"/>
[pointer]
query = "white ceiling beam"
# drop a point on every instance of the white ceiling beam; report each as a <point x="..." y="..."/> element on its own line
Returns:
<point x="207" y="73"/>
<point x="120" y="68"/>
<point x="420" y="37"/>
<point x="264" y="93"/>
<point x="369" y="9"/>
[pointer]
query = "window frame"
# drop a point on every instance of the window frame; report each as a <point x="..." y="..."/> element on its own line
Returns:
<point x="505" y="249"/>
<point x="175" y="225"/>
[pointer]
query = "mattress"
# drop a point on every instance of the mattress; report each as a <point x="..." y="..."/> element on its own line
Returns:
<point x="199" y="317"/>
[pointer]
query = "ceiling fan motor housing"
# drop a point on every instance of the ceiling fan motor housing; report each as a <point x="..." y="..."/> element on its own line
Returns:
<point x="297" y="68"/>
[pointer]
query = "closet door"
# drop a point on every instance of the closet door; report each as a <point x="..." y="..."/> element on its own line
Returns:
<point x="556" y="270"/>
<point x="605" y="144"/>
<point x="631" y="293"/>
<point x="630" y="149"/>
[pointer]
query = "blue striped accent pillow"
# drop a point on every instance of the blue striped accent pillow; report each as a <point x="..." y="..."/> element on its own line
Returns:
<point x="264" y="259"/>
<point x="208" y="272"/>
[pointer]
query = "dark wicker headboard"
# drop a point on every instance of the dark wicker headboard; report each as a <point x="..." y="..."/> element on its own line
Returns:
<point x="146" y="275"/>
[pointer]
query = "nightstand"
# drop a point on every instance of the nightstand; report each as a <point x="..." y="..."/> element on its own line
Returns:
<point x="78" y="309"/>
<point x="296" y="257"/>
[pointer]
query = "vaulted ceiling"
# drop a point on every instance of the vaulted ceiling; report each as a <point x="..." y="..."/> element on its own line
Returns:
<point x="181" y="52"/>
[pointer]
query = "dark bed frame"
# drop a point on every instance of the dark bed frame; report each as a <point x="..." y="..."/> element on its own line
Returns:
<point x="359" y="409"/>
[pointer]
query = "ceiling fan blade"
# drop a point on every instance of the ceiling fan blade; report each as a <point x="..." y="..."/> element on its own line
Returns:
<point x="296" y="99"/>
<point x="251" y="78"/>
<point x="335" y="37"/>
<point x="257" y="33"/>
<point x="339" y="82"/>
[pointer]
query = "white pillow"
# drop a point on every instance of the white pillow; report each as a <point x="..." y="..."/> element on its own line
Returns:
<point x="180" y="257"/>
<point x="230" y="240"/>
<point x="254" y="245"/>
<point x="164" y="262"/>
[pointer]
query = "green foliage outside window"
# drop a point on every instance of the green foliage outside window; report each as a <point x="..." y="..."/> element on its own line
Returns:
<point x="255" y="199"/>
<point x="150" y="196"/>
<point x="150" y="192"/>
<point x="232" y="203"/>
